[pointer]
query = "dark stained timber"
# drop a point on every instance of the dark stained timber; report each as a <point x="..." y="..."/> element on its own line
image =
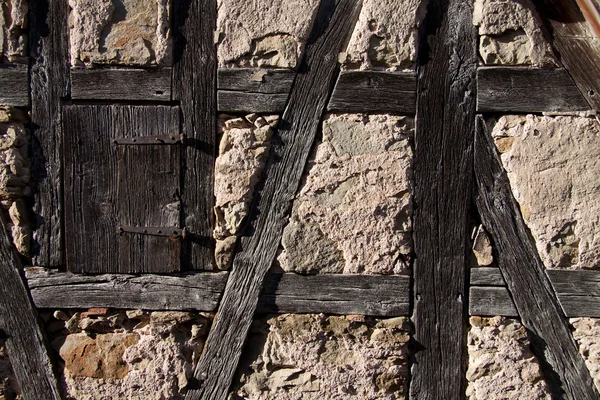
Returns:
<point x="195" y="86"/>
<point x="255" y="80"/>
<point x="486" y="276"/>
<point x="121" y="84"/>
<point x="523" y="90"/>
<point x="374" y="92"/>
<point x="200" y="291"/>
<point x="14" y="86"/>
<point x="525" y="276"/>
<point x="443" y="182"/>
<point x="249" y="102"/>
<point x="488" y="301"/>
<point x="114" y="189"/>
<point x="292" y="143"/>
<point x="18" y="319"/>
<point x="49" y="75"/>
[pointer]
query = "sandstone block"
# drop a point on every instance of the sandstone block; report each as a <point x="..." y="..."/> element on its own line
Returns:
<point x="553" y="164"/>
<point x="263" y="33"/>
<point x="129" y="32"/>
<point x="354" y="207"/>
<point x="13" y="34"/>
<point x="510" y="33"/>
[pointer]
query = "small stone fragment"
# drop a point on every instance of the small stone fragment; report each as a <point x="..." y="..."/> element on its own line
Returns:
<point x="482" y="248"/>
<point x="224" y="252"/>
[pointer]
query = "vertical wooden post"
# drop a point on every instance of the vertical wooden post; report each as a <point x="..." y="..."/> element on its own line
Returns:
<point x="195" y="86"/>
<point x="443" y="183"/>
<point x="18" y="319"/>
<point x="49" y="73"/>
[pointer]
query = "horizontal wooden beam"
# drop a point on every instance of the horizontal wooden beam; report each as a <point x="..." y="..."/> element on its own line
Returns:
<point x="379" y="295"/>
<point x="508" y="89"/>
<point x="266" y="91"/>
<point x="121" y="84"/>
<point x="578" y="293"/>
<point x="375" y="92"/>
<point x="14" y="86"/>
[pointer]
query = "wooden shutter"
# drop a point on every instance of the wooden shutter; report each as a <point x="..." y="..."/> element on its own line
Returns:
<point x="122" y="175"/>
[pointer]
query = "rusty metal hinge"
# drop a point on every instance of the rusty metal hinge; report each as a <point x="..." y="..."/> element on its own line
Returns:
<point x="152" y="139"/>
<point x="169" y="231"/>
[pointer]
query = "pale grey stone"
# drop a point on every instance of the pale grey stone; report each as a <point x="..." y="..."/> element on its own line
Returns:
<point x="587" y="335"/>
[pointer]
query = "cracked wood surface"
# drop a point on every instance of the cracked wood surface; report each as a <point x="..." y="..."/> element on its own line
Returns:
<point x="25" y="342"/>
<point x="525" y="276"/>
<point x="291" y="145"/>
<point x="445" y="125"/>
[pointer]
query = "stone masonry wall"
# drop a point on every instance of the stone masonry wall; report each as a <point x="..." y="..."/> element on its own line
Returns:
<point x="353" y="209"/>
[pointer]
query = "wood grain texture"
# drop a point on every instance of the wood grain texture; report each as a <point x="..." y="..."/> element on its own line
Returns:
<point x="25" y="344"/>
<point x="374" y="92"/>
<point x="523" y="90"/>
<point x="381" y="295"/>
<point x="486" y="276"/>
<point x="443" y="184"/>
<point x="121" y="84"/>
<point x="250" y="102"/>
<point x="111" y="186"/>
<point x="291" y="145"/>
<point x="14" y="85"/>
<point x="491" y="301"/>
<point x="195" y="86"/>
<point x="524" y="273"/>
<point x="49" y="77"/>
<point x="192" y="291"/>
<point x="574" y="44"/>
<point x="255" y="80"/>
<point x="283" y="293"/>
<point x="578" y="292"/>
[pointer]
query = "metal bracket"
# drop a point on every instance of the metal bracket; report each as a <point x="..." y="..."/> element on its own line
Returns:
<point x="152" y="139"/>
<point x="169" y="231"/>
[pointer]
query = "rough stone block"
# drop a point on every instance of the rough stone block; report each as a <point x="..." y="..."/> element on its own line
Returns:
<point x="354" y="207"/>
<point x="263" y="33"/>
<point x="314" y="357"/>
<point x="13" y="34"/>
<point x="128" y="32"/>
<point x="385" y="36"/>
<point x="553" y="164"/>
<point x="501" y="365"/>
<point x="586" y="332"/>
<point x="510" y="33"/>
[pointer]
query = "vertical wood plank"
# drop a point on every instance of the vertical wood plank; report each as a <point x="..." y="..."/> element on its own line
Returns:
<point x="281" y="177"/>
<point x="526" y="278"/>
<point x="49" y="73"/>
<point x="195" y="86"/>
<point x="18" y="319"/>
<point x="443" y="179"/>
<point x="108" y="186"/>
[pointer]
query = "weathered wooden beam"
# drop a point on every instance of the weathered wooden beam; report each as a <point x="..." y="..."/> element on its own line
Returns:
<point x="195" y="86"/>
<point x="525" y="276"/>
<point x="578" y="292"/>
<point x="574" y="44"/>
<point x="291" y="145"/>
<point x="49" y="76"/>
<point x="266" y="91"/>
<point x="121" y="84"/>
<point x="18" y="319"/>
<point x="14" y="86"/>
<point x="374" y="92"/>
<point x="523" y="90"/>
<point x="488" y="301"/>
<point x="443" y="182"/>
<point x="251" y="102"/>
<point x="375" y="295"/>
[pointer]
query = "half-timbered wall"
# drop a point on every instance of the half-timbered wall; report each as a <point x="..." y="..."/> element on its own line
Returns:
<point x="131" y="157"/>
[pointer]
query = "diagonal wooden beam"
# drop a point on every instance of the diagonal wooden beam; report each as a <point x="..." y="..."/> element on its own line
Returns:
<point x="525" y="276"/>
<point x="18" y="319"/>
<point x="291" y="146"/>
<point x="443" y="181"/>
<point x="574" y="43"/>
